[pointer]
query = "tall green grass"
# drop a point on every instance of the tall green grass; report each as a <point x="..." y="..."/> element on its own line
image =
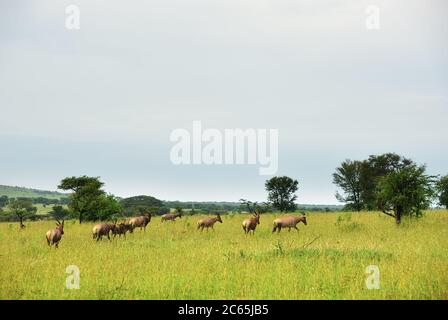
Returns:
<point x="175" y="261"/>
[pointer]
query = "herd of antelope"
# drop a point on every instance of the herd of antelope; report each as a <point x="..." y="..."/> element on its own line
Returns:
<point x="106" y="229"/>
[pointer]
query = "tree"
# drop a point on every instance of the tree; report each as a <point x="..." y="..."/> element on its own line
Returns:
<point x="88" y="201"/>
<point x="58" y="212"/>
<point x="254" y="207"/>
<point x="375" y="168"/>
<point x="359" y="179"/>
<point x="22" y="209"/>
<point x="281" y="193"/>
<point x="349" y="178"/>
<point x="442" y="190"/>
<point x="108" y="206"/>
<point x="405" y="191"/>
<point x="3" y="201"/>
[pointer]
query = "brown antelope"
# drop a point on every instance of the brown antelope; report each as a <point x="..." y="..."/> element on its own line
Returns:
<point x="208" y="222"/>
<point x="121" y="229"/>
<point x="171" y="216"/>
<point x="140" y="222"/>
<point x="54" y="236"/>
<point x="102" y="229"/>
<point x="288" y="222"/>
<point x="251" y="223"/>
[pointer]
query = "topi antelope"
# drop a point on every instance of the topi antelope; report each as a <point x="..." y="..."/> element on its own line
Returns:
<point x="121" y="229"/>
<point x="140" y="222"/>
<point x="102" y="229"/>
<point x="171" y="216"/>
<point x="288" y="222"/>
<point x="54" y="236"/>
<point x="251" y="223"/>
<point x="208" y="222"/>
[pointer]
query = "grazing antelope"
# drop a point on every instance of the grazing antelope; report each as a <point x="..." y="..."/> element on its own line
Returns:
<point x="54" y="236"/>
<point x="140" y="222"/>
<point x="208" y="222"/>
<point x="121" y="229"/>
<point x="102" y="229"/>
<point x="251" y="223"/>
<point x="288" y="222"/>
<point x="171" y="216"/>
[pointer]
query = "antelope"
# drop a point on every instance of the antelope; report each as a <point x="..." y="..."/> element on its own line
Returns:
<point x="208" y="222"/>
<point x="171" y="216"/>
<point x="251" y="223"/>
<point x="140" y="222"/>
<point x="54" y="236"/>
<point x="288" y="222"/>
<point x="121" y="229"/>
<point x="102" y="229"/>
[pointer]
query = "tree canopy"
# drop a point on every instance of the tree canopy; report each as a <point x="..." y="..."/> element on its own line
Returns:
<point x="389" y="182"/>
<point x="282" y="193"/>
<point x="442" y="190"/>
<point x="88" y="201"/>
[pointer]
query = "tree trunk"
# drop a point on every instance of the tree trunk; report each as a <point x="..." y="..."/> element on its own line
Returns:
<point x="398" y="213"/>
<point x="80" y="218"/>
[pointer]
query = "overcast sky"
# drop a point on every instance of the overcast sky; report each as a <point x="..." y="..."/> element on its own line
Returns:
<point x="104" y="99"/>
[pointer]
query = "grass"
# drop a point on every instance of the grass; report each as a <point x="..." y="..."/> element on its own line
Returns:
<point x="325" y="260"/>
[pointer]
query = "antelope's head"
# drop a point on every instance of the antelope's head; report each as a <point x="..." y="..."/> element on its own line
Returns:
<point x="257" y="217"/>
<point x="219" y="218"/>
<point x="303" y="218"/>
<point x="60" y="226"/>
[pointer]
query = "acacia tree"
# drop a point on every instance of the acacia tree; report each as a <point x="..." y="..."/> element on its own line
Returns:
<point x="359" y="180"/>
<point x="442" y="190"/>
<point x="22" y="209"/>
<point x="349" y="178"/>
<point x="282" y="193"/>
<point x="88" y="201"/>
<point x="405" y="191"/>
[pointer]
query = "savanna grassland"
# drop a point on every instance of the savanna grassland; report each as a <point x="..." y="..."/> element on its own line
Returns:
<point x="173" y="260"/>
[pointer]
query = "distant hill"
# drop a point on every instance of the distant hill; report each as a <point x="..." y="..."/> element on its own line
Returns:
<point x="14" y="192"/>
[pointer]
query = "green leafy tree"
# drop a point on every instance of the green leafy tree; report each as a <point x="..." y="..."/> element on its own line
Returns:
<point x="349" y="178"/>
<point x="405" y="191"/>
<point x="442" y="190"/>
<point x="373" y="170"/>
<point x="108" y="206"/>
<point x="282" y="193"/>
<point x="22" y="209"/>
<point x="3" y="201"/>
<point x="88" y="201"/>
<point x="58" y="212"/>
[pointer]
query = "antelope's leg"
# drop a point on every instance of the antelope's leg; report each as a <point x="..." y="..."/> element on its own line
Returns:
<point x="295" y="227"/>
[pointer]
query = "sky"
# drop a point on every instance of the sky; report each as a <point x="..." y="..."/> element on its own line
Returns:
<point x="104" y="99"/>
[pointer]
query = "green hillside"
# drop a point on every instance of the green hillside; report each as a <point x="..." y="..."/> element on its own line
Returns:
<point x="14" y="192"/>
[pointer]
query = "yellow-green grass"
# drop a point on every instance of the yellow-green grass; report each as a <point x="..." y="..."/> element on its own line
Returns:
<point x="173" y="260"/>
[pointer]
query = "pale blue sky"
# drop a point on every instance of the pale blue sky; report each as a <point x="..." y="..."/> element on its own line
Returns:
<point x="103" y="100"/>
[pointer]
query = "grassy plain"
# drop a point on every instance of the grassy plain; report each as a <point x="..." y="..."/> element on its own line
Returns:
<point x="174" y="261"/>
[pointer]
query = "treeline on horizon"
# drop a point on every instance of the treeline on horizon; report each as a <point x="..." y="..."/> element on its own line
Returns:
<point x="390" y="183"/>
